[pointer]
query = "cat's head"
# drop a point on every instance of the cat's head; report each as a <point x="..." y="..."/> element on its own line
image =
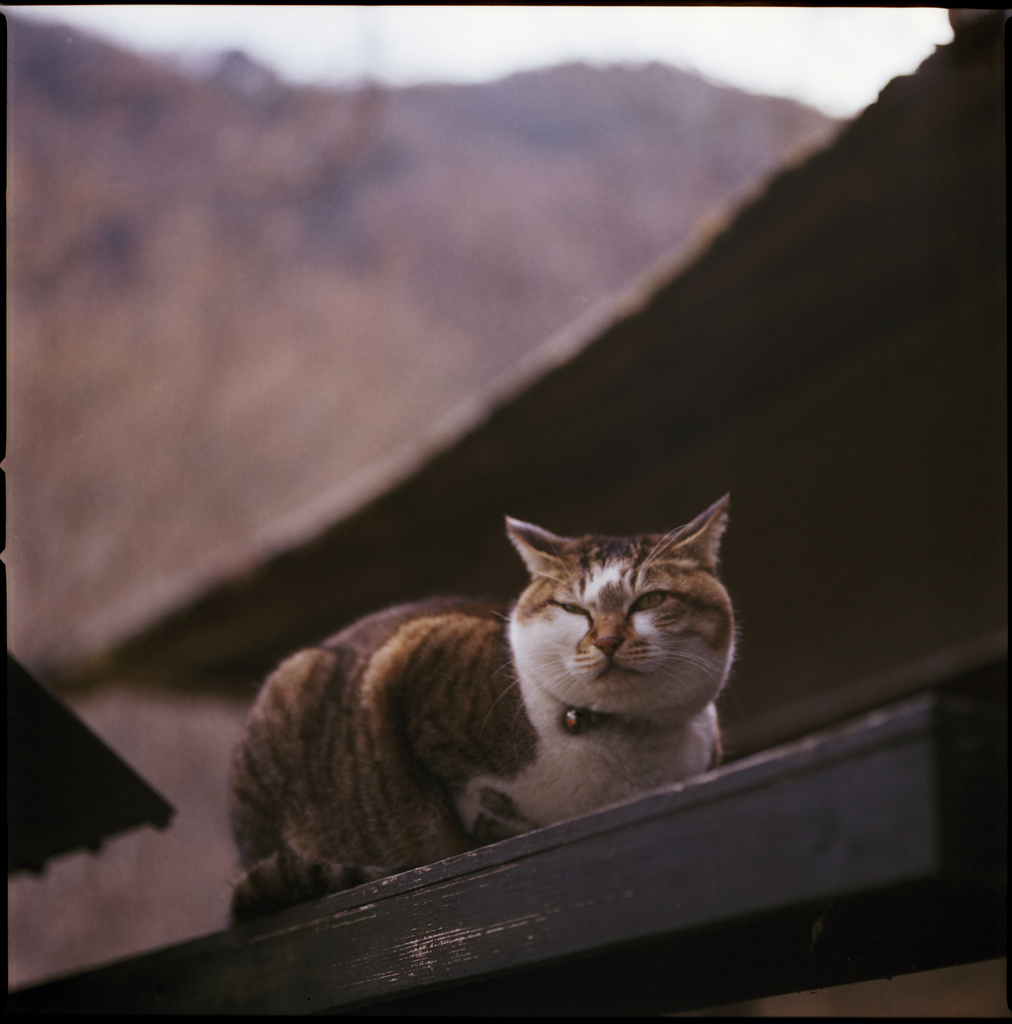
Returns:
<point x="626" y="625"/>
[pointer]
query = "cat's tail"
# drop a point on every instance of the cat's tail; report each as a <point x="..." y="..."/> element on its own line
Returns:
<point x="285" y="878"/>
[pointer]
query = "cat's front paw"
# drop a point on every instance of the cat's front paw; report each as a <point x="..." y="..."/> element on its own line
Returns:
<point x="285" y="879"/>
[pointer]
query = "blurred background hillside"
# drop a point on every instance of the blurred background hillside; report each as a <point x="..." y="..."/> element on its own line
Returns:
<point x="227" y="295"/>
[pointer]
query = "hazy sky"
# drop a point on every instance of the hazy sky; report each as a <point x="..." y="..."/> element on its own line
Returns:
<point x="833" y="58"/>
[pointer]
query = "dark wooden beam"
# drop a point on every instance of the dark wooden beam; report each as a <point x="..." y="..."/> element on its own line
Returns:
<point x="65" y="788"/>
<point x="877" y="848"/>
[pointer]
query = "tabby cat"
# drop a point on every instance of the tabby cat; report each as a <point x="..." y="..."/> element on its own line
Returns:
<point x="432" y="728"/>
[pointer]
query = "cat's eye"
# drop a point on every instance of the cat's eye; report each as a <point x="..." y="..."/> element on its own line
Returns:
<point x="650" y="600"/>
<point x="573" y="609"/>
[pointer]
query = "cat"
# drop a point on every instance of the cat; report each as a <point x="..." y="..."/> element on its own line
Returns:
<point x="433" y="728"/>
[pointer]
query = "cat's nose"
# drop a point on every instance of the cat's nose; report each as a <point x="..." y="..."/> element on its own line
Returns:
<point x="608" y="644"/>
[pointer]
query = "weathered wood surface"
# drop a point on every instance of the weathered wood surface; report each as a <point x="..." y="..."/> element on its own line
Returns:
<point x="875" y="849"/>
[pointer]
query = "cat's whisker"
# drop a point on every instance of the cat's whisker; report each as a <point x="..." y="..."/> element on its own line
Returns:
<point x="516" y="682"/>
<point x="654" y="550"/>
<point x="730" y="693"/>
<point x="568" y="573"/>
<point x="688" y="657"/>
<point x="658" y="549"/>
<point x="546" y="576"/>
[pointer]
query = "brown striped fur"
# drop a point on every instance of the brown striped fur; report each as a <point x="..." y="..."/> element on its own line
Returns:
<point x="431" y="728"/>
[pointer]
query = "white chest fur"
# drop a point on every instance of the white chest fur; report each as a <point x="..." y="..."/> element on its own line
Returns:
<point x="573" y="774"/>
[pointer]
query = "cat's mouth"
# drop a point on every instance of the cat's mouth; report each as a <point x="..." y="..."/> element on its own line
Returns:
<point x="613" y="670"/>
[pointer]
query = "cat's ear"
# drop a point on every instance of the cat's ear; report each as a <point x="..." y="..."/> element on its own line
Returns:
<point x="702" y="536"/>
<point x="538" y="548"/>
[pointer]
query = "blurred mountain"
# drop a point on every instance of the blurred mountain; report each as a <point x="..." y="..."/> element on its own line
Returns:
<point x="227" y="295"/>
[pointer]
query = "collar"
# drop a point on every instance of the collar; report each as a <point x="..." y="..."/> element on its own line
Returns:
<point x="578" y="720"/>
